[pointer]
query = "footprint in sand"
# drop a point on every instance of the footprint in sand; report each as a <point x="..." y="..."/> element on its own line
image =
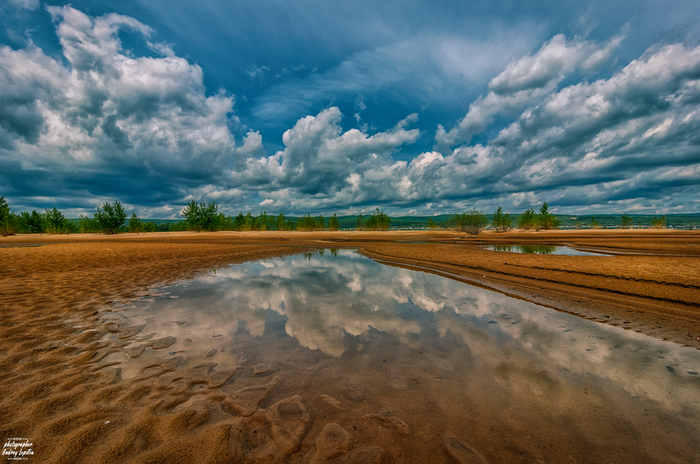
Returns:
<point x="262" y="369"/>
<point x="245" y="402"/>
<point x="389" y="417"/>
<point x="332" y="402"/>
<point x="218" y="379"/>
<point x="365" y="455"/>
<point x="131" y="331"/>
<point x="161" y="343"/>
<point x="332" y="442"/>
<point x="270" y="436"/>
<point x="461" y="452"/>
<point x="145" y="337"/>
<point x="355" y="393"/>
<point x="199" y="373"/>
<point x="135" y="351"/>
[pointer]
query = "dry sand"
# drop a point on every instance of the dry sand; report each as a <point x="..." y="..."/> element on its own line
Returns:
<point x="53" y="393"/>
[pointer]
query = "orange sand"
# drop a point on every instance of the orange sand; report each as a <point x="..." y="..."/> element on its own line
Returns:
<point x="52" y="392"/>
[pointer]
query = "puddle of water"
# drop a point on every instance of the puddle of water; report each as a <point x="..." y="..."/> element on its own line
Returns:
<point x="542" y="250"/>
<point x="409" y="365"/>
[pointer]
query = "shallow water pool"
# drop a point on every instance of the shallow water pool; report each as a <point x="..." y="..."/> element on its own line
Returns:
<point x="543" y="250"/>
<point x="389" y="363"/>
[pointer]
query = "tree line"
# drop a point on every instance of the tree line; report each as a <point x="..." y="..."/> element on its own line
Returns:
<point x="473" y="222"/>
<point x="206" y="217"/>
<point x="112" y="218"/>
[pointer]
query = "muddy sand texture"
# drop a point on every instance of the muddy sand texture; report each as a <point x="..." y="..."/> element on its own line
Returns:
<point x="52" y="391"/>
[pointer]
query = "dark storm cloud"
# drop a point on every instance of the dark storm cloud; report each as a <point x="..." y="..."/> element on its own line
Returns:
<point x="581" y="105"/>
<point x="110" y="125"/>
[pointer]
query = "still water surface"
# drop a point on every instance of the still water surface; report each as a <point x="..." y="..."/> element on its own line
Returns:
<point x="404" y="365"/>
<point x="543" y="250"/>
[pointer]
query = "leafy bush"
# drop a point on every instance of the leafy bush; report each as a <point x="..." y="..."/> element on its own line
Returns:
<point x="150" y="227"/>
<point x="547" y="221"/>
<point x="334" y="222"/>
<point x="203" y="217"/>
<point x="283" y="224"/>
<point x="111" y="217"/>
<point x="309" y="223"/>
<point x="528" y="220"/>
<point x="8" y="221"/>
<point x="178" y="226"/>
<point x="239" y="223"/>
<point x="87" y="225"/>
<point x="432" y="224"/>
<point x="625" y="221"/>
<point x="135" y="224"/>
<point x="54" y="222"/>
<point x="472" y="222"/>
<point x="31" y="223"/>
<point x="360" y="225"/>
<point x="658" y="222"/>
<point x="501" y="220"/>
<point x="377" y="221"/>
<point x="594" y="223"/>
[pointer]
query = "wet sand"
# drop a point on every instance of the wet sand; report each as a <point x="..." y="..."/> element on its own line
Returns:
<point x="51" y="343"/>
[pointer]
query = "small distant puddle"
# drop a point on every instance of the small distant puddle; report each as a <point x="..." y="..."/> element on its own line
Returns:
<point x="405" y="363"/>
<point x="542" y="250"/>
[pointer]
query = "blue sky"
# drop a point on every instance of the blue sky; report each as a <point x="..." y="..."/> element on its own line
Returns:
<point x="321" y="106"/>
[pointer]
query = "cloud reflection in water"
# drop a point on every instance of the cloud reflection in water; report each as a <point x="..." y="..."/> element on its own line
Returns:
<point x="326" y="299"/>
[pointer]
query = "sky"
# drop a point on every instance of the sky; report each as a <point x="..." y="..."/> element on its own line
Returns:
<point x="338" y="106"/>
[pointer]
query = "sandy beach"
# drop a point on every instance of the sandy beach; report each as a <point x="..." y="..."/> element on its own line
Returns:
<point x="55" y="392"/>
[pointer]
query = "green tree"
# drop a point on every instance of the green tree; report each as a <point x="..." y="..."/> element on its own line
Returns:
<point x="625" y="221"/>
<point x="360" y="225"/>
<point x="472" y="222"/>
<point x="150" y="227"/>
<point x="377" y="221"/>
<point x="334" y="222"/>
<point x="309" y="223"/>
<point x="279" y="222"/>
<point x="178" y="226"/>
<point x="135" y="224"/>
<point x="31" y="223"/>
<point x="501" y="220"/>
<point x="658" y="222"/>
<point x="528" y="220"/>
<point x="251" y="222"/>
<point x="203" y="217"/>
<point x="546" y="220"/>
<point x="87" y="225"/>
<point x="263" y="219"/>
<point x="432" y="224"/>
<point x="8" y="221"/>
<point x="54" y="222"/>
<point x="594" y="223"/>
<point x="111" y="217"/>
<point x="239" y="222"/>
